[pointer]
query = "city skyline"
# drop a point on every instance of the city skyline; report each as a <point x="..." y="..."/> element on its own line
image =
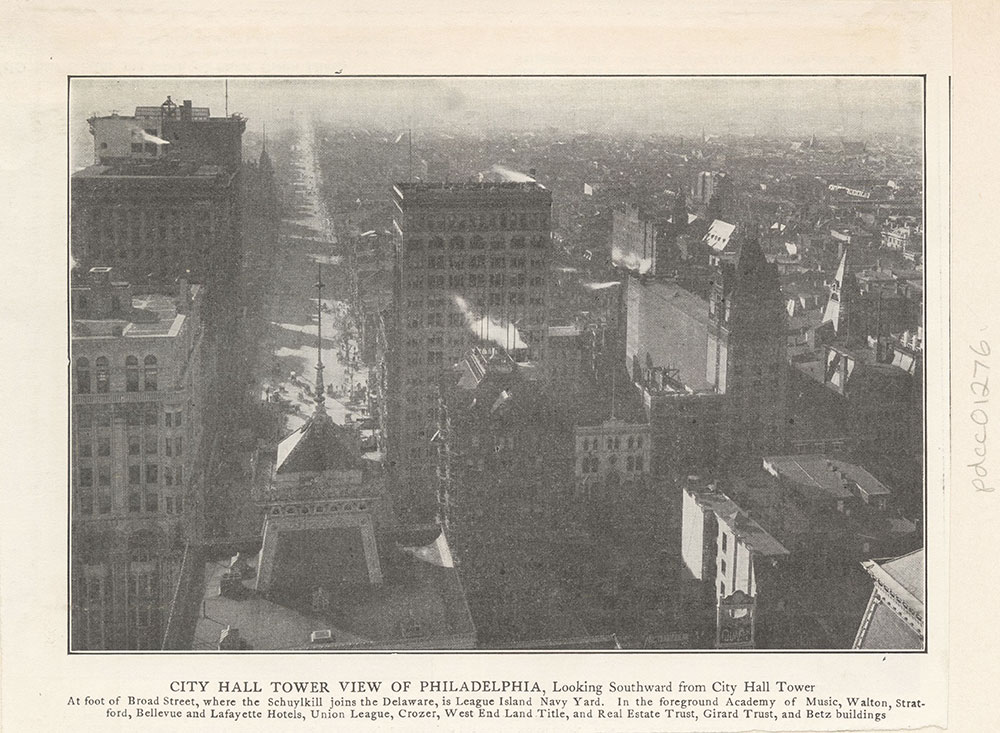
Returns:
<point x="778" y="106"/>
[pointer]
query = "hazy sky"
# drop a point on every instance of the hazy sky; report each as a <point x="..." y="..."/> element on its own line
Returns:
<point x="853" y="106"/>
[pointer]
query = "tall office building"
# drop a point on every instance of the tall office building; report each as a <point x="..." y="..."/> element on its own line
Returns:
<point x="471" y="267"/>
<point x="746" y="352"/>
<point x="163" y="199"/>
<point x="138" y="394"/>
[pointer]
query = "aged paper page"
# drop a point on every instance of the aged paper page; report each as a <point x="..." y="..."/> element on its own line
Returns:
<point x="65" y="64"/>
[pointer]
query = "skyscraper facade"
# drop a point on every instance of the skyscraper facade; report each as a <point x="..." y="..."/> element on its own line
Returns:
<point x="138" y="397"/>
<point x="471" y="266"/>
<point x="747" y="352"/>
<point x="163" y="199"/>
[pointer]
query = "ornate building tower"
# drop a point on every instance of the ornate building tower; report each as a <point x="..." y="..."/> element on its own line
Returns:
<point x="746" y="353"/>
<point x="320" y="506"/>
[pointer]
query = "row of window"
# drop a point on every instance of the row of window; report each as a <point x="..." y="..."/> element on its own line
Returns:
<point x="138" y="502"/>
<point x="478" y="221"/>
<point x="86" y="417"/>
<point x="592" y="464"/>
<point x="99" y="379"/>
<point x="611" y="443"/>
<point x="171" y="475"/>
<point x="178" y="251"/>
<point x="458" y="244"/>
<point x="119" y="215"/>
<point x="473" y="280"/>
<point x="436" y="338"/>
<point x="440" y="262"/>
<point x="133" y="227"/>
<point x="143" y="612"/>
<point x="148" y="445"/>
<point x="434" y="358"/>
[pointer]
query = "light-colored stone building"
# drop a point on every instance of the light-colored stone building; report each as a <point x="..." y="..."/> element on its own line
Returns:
<point x="136" y="456"/>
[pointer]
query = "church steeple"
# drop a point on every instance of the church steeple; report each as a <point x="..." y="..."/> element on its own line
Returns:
<point x="265" y="160"/>
<point x="838" y="312"/>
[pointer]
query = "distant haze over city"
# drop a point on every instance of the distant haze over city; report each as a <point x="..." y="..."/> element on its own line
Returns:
<point x="853" y="107"/>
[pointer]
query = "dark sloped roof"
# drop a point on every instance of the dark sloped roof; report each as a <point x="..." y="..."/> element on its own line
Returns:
<point x="319" y="445"/>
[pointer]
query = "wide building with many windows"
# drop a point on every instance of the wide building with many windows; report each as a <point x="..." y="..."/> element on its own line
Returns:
<point x="470" y="268"/>
<point x="164" y="200"/>
<point x="136" y="456"/>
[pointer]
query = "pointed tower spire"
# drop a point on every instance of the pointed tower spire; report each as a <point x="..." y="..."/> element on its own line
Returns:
<point x="835" y="312"/>
<point x="320" y="391"/>
<point x="264" y="161"/>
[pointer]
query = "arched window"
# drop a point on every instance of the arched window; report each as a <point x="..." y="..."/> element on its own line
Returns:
<point x="131" y="374"/>
<point x="149" y="373"/>
<point x="629" y="463"/>
<point x="103" y="374"/>
<point x="83" y="375"/>
<point x="477" y="242"/>
<point x="457" y="243"/>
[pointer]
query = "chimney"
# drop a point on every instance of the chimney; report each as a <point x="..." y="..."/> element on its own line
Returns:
<point x="186" y="111"/>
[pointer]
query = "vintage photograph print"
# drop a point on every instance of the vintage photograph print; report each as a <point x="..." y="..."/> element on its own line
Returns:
<point x="496" y="363"/>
